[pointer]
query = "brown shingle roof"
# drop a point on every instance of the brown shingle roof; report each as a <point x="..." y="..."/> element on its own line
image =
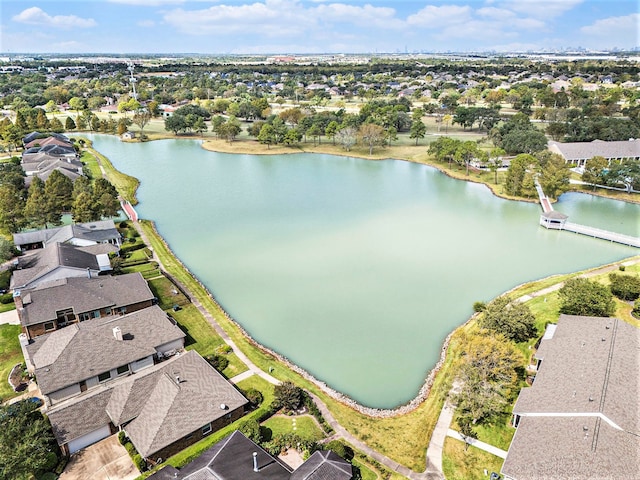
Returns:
<point x="585" y="150"/>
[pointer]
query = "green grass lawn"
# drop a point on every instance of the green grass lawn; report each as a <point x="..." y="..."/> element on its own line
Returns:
<point x="92" y="164"/>
<point x="304" y="426"/>
<point x="10" y="355"/>
<point x="167" y="293"/>
<point x="148" y="270"/>
<point x="469" y="464"/>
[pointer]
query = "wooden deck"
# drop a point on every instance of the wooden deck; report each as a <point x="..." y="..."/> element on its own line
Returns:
<point x="584" y="229"/>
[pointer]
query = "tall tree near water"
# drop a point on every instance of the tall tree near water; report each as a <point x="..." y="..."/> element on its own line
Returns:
<point x="36" y="207"/>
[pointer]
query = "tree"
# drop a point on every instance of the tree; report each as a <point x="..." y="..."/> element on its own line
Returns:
<point x="288" y="396"/>
<point x="331" y="130"/>
<point x="7" y="250"/>
<point x="346" y="137"/>
<point x="555" y="174"/>
<point x="465" y="152"/>
<point x="27" y="443"/>
<point x="83" y="209"/>
<point x="36" y="207"/>
<point x="56" y="125"/>
<point x="11" y="208"/>
<point x="266" y="135"/>
<point x="625" y="287"/>
<point x="495" y="161"/>
<point x="371" y="135"/>
<point x="141" y="118"/>
<point x="509" y="317"/>
<point x="516" y="173"/>
<point x="69" y="124"/>
<point x="105" y="198"/>
<point x="418" y="129"/>
<point x="58" y="190"/>
<point x="580" y="296"/>
<point x="488" y="378"/>
<point x="594" y="171"/>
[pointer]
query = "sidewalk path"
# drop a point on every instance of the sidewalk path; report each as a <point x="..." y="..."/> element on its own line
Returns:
<point x="10" y="317"/>
<point x="478" y="444"/>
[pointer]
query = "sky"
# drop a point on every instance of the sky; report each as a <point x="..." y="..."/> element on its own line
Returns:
<point x="315" y="26"/>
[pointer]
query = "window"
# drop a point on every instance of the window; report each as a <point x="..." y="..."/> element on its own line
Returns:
<point x="89" y="315"/>
<point x="49" y="326"/>
<point x="65" y="316"/>
<point x="123" y="369"/>
<point x="103" y="377"/>
<point x="206" y="429"/>
<point x="120" y="310"/>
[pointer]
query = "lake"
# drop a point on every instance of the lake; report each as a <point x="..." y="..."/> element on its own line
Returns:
<point x="355" y="270"/>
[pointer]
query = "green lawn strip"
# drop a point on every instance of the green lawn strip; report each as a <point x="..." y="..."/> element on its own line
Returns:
<point x="497" y="433"/>
<point x="469" y="464"/>
<point x="125" y="184"/>
<point x="167" y="293"/>
<point x="305" y="427"/>
<point x="91" y="163"/>
<point x="6" y="307"/>
<point x="10" y="355"/>
<point x="365" y="472"/>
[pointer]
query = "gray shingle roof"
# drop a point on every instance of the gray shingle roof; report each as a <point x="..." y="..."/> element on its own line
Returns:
<point x="323" y="465"/>
<point x="80" y="416"/>
<point x="581" y="417"/>
<point x="586" y="150"/>
<point x="83" y="295"/>
<point x="173" y="410"/>
<point x="48" y="259"/>
<point x="96" y="231"/>
<point x="84" y="350"/>
<point x="232" y="459"/>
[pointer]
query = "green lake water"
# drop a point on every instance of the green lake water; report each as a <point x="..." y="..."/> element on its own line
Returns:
<point x="355" y="270"/>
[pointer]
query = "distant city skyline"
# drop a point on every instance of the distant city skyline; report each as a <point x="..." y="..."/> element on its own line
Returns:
<point x="315" y="26"/>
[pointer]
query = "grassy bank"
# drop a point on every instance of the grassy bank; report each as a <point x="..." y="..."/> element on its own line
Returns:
<point x="10" y="355"/>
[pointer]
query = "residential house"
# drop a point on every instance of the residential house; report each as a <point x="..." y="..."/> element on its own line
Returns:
<point x="239" y="458"/>
<point x="84" y="355"/>
<point x="63" y="302"/>
<point x="581" y="417"/>
<point x="57" y="261"/>
<point x="80" y="234"/>
<point x="53" y="139"/>
<point x="42" y="165"/>
<point x="578" y="153"/>
<point x="163" y="409"/>
<point x="53" y="150"/>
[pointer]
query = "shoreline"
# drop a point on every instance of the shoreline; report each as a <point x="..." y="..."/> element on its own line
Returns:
<point x="430" y="375"/>
<point x="344" y="399"/>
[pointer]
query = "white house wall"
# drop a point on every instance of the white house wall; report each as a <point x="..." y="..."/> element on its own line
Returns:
<point x="142" y="364"/>
<point x="175" y="345"/>
<point x="64" y="393"/>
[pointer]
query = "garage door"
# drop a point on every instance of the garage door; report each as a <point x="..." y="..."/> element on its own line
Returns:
<point x="89" y="439"/>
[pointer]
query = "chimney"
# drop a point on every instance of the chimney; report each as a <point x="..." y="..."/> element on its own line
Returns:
<point x="255" y="461"/>
<point x="17" y="299"/>
<point x="117" y="333"/>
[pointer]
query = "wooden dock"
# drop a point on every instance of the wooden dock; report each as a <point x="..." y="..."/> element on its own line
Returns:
<point x="551" y="219"/>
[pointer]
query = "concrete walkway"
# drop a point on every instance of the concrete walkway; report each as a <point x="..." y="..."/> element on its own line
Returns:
<point x="478" y="444"/>
<point x="10" y="317"/>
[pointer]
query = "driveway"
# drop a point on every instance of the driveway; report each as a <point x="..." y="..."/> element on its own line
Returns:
<point x="10" y="317"/>
<point x="105" y="460"/>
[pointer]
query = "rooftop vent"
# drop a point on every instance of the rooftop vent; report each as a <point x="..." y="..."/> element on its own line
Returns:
<point x="117" y="333"/>
<point x="223" y="406"/>
<point x="255" y="461"/>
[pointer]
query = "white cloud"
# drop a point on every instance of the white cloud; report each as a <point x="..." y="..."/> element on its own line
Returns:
<point x="496" y="13"/>
<point x="432" y="16"/>
<point x="544" y="9"/>
<point x="146" y="23"/>
<point x="148" y="3"/>
<point x="367" y="15"/>
<point x="37" y="16"/>
<point x="615" y="31"/>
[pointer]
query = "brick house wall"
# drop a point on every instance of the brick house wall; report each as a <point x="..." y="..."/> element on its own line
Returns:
<point x="196" y="436"/>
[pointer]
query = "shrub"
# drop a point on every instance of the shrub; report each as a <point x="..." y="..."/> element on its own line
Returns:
<point x="6" y="298"/>
<point x="48" y="476"/>
<point x="340" y="449"/>
<point x="636" y="308"/>
<point x="131" y="450"/>
<point x="224" y="349"/>
<point x="122" y="437"/>
<point x="509" y="317"/>
<point x="217" y="361"/>
<point x="51" y="462"/>
<point x="479" y="307"/>
<point x="622" y="268"/>
<point x="288" y="396"/>
<point x="251" y="428"/>
<point x="123" y="224"/>
<point x="625" y="287"/>
<point x="254" y="396"/>
<point x="139" y="462"/>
